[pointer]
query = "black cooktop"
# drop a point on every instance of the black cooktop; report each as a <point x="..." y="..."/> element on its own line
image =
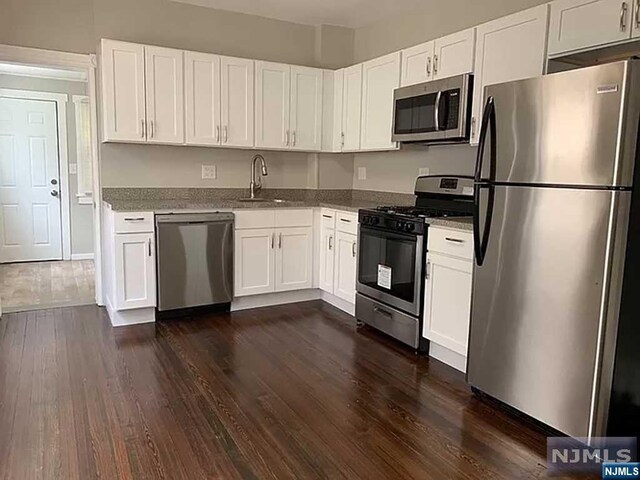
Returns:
<point x="419" y="212"/>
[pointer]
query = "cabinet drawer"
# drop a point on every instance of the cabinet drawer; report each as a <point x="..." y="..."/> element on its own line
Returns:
<point x="456" y="243"/>
<point x="133" y="222"/>
<point x="328" y="218"/>
<point x="246" y="219"/>
<point x="347" y="222"/>
<point x="294" y="218"/>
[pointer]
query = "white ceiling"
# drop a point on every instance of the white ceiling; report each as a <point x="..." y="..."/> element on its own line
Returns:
<point x="346" y="13"/>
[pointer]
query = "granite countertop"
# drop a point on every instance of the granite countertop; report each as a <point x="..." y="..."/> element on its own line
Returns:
<point x="188" y="200"/>
<point x="189" y="206"/>
<point x="459" y="223"/>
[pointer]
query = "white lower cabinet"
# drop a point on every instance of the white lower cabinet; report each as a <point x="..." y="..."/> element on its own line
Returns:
<point x="254" y="261"/>
<point x="294" y="262"/>
<point x="345" y="266"/>
<point x="135" y="271"/>
<point x="338" y="254"/>
<point x="273" y="251"/>
<point x="447" y="296"/>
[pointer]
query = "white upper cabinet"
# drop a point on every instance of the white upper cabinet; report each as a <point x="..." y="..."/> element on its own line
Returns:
<point x="164" y="73"/>
<point x="510" y="48"/>
<point x="202" y="92"/>
<point x="454" y="54"/>
<point x="351" y="108"/>
<point x="123" y="96"/>
<point x="306" y="108"/>
<point x="332" y="85"/>
<point x="237" y="90"/>
<point x="273" y="83"/>
<point x="580" y="24"/>
<point x="379" y="78"/>
<point x="417" y="64"/>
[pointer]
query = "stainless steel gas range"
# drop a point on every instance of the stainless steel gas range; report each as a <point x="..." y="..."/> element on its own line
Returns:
<point x="391" y="256"/>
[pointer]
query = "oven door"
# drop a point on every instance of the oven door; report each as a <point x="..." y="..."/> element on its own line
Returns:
<point x="390" y="268"/>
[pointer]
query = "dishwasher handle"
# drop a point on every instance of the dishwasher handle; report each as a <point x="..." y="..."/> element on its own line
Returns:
<point x="195" y="218"/>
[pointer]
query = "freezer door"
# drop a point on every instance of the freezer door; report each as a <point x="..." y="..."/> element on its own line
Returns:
<point x="571" y="128"/>
<point x="536" y="310"/>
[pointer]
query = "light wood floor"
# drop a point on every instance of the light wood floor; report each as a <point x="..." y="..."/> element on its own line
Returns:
<point x="39" y="285"/>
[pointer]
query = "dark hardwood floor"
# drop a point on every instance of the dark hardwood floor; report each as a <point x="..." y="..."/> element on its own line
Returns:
<point x="281" y="392"/>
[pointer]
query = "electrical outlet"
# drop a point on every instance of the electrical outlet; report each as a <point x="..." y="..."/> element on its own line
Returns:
<point x="209" y="172"/>
<point x="423" y="171"/>
<point x="362" y="173"/>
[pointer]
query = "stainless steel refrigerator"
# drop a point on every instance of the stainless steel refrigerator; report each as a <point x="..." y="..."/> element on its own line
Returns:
<point x="555" y="324"/>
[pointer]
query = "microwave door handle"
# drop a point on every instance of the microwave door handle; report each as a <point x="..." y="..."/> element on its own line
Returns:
<point x="436" y="112"/>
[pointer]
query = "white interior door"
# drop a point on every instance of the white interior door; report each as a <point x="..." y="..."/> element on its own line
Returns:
<point x="30" y="223"/>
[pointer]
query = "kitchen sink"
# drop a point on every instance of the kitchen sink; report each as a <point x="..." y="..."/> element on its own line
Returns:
<point x="261" y="200"/>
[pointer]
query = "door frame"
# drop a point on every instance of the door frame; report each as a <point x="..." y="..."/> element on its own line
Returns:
<point x="85" y="63"/>
<point x="60" y="100"/>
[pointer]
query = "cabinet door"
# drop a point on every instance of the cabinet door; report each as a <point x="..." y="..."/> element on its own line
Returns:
<point x="447" y="302"/>
<point x="379" y="78"/>
<point x="202" y="91"/>
<point x="165" y="95"/>
<point x="272" y="105"/>
<point x="351" y="108"/>
<point x="238" y="111"/>
<point x="510" y="48"/>
<point x="123" y="92"/>
<point x="306" y="108"/>
<point x="344" y="285"/>
<point x="454" y="54"/>
<point x="579" y="24"/>
<point x="254" y="261"/>
<point x="294" y="260"/>
<point x="417" y="64"/>
<point x="327" y="258"/>
<point x="135" y="269"/>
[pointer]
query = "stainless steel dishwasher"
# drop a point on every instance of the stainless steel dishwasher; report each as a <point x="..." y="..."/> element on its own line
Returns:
<point x="195" y="260"/>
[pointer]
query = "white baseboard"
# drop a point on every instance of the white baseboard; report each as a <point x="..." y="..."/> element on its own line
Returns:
<point x="124" y="318"/>
<point x="445" y="355"/>
<point x="339" y="303"/>
<point x="82" y="256"/>
<point x="272" y="299"/>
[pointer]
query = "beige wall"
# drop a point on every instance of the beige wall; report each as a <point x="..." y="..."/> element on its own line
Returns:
<point x="435" y="19"/>
<point x="397" y="171"/>
<point x="81" y="215"/>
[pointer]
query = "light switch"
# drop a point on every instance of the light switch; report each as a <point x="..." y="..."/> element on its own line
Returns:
<point x="362" y="173"/>
<point x="73" y="169"/>
<point x="209" y="172"/>
<point x="423" y="171"/>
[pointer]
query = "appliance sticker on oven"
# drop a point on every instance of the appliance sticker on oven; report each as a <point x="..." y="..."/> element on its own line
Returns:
<point x="384" y="276"/>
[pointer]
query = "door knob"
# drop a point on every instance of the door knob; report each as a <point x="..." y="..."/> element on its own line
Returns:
<point x="54" y="181"/>
<point x="54" y="193"/>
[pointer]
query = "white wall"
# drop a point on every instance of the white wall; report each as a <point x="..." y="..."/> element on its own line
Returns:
<point x="81" y="215"/>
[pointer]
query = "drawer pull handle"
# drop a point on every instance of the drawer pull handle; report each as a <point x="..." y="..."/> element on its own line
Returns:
<point x="345" y="220"/>
<point x="134" y="219"/>
<point x="453" y="240"/>
<point x="326" y="216"/>
<point x="382" y="312"/>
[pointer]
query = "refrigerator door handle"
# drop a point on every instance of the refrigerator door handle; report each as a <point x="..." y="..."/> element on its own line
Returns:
<point x="481" y="239"/>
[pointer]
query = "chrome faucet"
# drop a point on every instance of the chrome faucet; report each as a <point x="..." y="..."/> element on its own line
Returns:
<point x="256" y="183"/>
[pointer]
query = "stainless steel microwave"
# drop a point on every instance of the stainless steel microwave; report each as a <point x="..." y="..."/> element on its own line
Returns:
<point x="433" y="112"/>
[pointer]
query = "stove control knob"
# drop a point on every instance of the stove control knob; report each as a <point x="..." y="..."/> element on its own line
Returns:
<point x="411" y="227"/>
<point x="366" y="220"/>
<point x="375" y="221"/>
